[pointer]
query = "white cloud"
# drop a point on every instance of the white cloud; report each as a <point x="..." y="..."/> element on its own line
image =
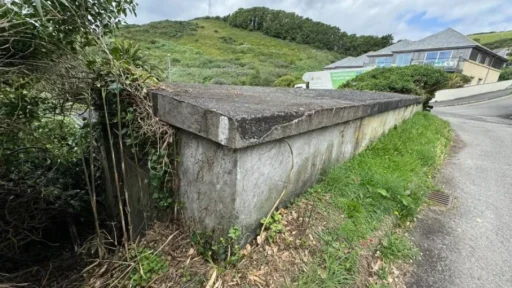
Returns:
<point x="375" y="17"/>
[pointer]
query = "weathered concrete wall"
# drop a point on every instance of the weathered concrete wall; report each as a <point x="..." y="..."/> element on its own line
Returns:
<point x="451" y="94"/>
<point x="228" y="178"/>
<point x="480" y="73"/>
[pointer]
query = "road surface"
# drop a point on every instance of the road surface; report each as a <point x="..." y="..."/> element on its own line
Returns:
<point x="470" y="245"/>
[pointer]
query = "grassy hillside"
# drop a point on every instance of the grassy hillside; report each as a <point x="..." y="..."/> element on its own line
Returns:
<point x="486" y="38"/>
<point x="210" y="51"/>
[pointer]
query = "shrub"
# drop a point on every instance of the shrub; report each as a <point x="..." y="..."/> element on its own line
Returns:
<point x="286" y="81"/>
<point x="457" y="80"/>
<point x="421" y="80"/>
<point x="227" y="39"/>
<point x="506" y="74"/>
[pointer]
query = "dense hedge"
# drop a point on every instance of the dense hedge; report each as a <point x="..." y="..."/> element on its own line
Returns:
<point x="292" y="27"/>
<point x="415" y="79"/>
<point x="506" y="74"/>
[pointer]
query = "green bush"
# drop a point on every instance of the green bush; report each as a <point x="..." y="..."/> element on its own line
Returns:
<point x="457" y="80"/>
<point x="421" y="80"/>
<point x="506" y="74"/>
<point x="286" y="81"/>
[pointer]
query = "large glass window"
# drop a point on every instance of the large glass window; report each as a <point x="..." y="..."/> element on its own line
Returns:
<point x="444" y="55"/>
<point x="403" y="59"/>
<point x="438" y="58"/>
<point x="384" y="61"/>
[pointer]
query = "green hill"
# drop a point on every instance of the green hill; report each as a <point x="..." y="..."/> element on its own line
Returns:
<point x="210" y="51"/>
<point x="494" y="40"/>
<point x="490" y="36"/>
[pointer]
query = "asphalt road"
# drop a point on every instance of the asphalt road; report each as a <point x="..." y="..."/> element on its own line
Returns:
<point x="470" y="245"/>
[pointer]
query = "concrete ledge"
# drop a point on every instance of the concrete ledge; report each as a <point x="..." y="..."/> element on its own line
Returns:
<point x="237" y="116"/>
<point x="242" y="147"/>
<point x="474" y="99"/>
<point x="453" y="94"/>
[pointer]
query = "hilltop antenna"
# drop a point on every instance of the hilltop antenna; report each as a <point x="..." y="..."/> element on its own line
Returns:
<point x="210" y="8"/>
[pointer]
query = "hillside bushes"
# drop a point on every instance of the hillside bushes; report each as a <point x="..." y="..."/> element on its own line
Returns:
<point x="287" y="81"/>
<point x="501" y="43"/>
<point x="292" y="27"/>
<point x="506" y="74"/>
<point x="415" y="79"/>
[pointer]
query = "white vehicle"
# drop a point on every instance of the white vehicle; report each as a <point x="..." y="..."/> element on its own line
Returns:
<point x="331" y="79"/>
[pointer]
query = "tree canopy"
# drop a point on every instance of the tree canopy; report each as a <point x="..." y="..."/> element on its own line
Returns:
<point x="292" y="27"/>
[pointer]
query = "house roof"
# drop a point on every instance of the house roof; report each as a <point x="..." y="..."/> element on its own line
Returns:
<point x="389" y="50"/>
<point x="445" y="39"/>
<point x="349" y="62"/>
<point x="503" y="52"/>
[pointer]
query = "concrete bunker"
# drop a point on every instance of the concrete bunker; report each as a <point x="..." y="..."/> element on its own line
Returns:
<point x="241" y="147"/>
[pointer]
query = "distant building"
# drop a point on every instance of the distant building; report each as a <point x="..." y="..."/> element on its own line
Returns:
<point x="504" y="52"/>
<point x="448" y="50"/>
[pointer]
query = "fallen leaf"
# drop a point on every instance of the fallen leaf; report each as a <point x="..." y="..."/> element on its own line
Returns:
<point x="377" y="265"/>
<point x="261" y="238"/>
<point x="322" y="273"/>
<point x="256" y="279"/>
<point x="212" y="279"/>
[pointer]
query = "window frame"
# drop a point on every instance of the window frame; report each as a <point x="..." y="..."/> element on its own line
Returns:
<point x="386" y="62"/>
<point x="437" y="56"/>
<point x="478" y="57"/>
<point x="401" y="57"/>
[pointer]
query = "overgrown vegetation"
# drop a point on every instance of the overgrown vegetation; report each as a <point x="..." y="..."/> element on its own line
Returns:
<point x="506" y="74"/>
<point x="292" y="27"/>
<point x="148" y="265"/>
<point x="210" y="51"/>
<point x="421" y="80"/>
<point x="389" y="179"/>
<point x="71" y="103"/>
<point x="274" y="224"/>
<point x="224" y="251"/>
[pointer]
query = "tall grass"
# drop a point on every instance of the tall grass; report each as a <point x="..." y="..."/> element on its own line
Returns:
<point x="389" y="179"/>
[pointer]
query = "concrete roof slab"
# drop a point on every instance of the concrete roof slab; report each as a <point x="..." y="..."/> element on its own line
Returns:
<point x="240" y="116"/>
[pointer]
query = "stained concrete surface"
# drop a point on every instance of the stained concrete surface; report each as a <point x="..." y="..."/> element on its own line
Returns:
<point x="470" y="245"/>
<point x="238" y="116"/>
<point x="224" y="187"/>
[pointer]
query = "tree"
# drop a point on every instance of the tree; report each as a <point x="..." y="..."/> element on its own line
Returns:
<point x="35" y="32"/>
<point x="292" y="27"/>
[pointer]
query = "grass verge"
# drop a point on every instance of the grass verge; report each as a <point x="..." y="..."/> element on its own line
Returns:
<point x="387" y="182"/>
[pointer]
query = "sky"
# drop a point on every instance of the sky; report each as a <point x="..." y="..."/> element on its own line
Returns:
<point x="405" y="19"/>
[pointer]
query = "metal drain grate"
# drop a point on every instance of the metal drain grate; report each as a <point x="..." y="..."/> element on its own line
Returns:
<point x="441" y="198"/>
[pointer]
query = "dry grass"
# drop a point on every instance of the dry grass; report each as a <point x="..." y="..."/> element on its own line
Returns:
<point x="264" y="264"/>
